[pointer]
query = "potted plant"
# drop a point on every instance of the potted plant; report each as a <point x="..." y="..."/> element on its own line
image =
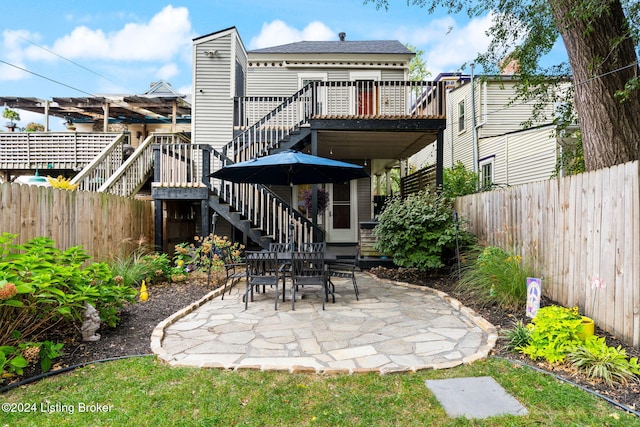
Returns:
<point x="12" y="116"/>
<point x="323" y="200"/>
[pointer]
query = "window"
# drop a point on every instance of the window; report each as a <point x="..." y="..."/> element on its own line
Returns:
<point x="461" y="116"/>
<point x="486" y="174"/>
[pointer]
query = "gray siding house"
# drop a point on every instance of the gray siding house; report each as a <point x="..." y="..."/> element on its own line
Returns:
<point x="506" y="151"/>
<point x="345" y="100"/>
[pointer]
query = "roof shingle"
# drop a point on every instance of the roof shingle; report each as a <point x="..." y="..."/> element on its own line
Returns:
<point x="365" y="46"/>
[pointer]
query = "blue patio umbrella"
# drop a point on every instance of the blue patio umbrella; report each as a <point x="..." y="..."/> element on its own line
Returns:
<point x="288" y="168"/>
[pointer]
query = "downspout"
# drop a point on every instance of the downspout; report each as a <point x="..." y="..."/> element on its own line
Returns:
<point x="473" y="122"/>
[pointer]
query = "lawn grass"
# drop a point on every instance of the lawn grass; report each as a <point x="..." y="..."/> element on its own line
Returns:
<point x="142" y="392"/>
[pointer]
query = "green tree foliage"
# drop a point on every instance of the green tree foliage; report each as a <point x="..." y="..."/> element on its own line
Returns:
<point x="34" y="127"/>
<point x="11" y="115"/>
<point x="458" y="181"/>
<point x="417" y="67"/>
<point x="601" y="38"/>
<point x="418" y="231"/>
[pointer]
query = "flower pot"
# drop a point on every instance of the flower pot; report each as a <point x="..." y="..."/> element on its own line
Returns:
<point x="587" y="328"/>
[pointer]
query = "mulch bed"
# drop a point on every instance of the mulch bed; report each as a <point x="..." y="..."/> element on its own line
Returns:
<point x="137" y="321"/>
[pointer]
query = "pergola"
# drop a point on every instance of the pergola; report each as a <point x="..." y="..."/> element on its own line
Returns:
<point x="126" y="109"/>
<point x="160" y="104"/>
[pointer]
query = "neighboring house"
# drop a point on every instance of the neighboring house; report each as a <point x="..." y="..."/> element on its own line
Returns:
<point x="346" y="100"/>
<point x="507" y="152"/>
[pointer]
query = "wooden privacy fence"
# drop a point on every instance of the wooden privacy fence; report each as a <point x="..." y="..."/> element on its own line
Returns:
<point x="101" y="223"/>
<point x="573" y="229"/>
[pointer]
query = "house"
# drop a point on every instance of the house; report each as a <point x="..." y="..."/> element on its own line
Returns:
<point x="345" y="100"/>
<point x="486" y="131"/>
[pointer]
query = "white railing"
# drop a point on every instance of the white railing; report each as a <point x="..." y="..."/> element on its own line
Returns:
<point x="102" y="166"/>
<point x="127" y="180"/>
<point x="52" y="150"/>
<point x="346" y="99"/>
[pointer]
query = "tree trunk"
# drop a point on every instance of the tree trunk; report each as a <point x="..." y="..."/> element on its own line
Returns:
<point x="610" y="128"/>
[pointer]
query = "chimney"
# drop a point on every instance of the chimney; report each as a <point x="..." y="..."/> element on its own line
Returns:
<point x="509" y="66"/>
<point x="342" y="36"/>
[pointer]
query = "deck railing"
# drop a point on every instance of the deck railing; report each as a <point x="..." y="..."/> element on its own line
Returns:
<point x="379" y="99"/>
<point x="52" y="150"/>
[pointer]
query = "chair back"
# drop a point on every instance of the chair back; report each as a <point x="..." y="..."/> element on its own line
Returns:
<point x="307" y="264"/>
<point x="314" y="247"/>
<point x="261" y="263"/>
<point x="280" y="247"/>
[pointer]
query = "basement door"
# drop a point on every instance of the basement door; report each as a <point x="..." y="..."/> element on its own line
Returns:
<point x="342" y="216"/>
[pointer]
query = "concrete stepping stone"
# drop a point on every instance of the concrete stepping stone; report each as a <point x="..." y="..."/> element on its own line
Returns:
<point x="475" y="397"/>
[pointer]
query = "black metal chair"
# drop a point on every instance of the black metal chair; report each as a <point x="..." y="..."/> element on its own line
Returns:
<point x="233" y="268"/>
<point x="308" y="269"/>
<point x="280" y="247"/>
<point x="262" y="269"/>
<point x="346" y="270"/>
<point x="314" y="247"/>
<point x="283" y="248"/>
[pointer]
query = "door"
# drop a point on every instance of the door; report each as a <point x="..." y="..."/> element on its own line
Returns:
<point x="364" y="92"/>
<point x="342" y="213"/>
<point x="366" y="98"/>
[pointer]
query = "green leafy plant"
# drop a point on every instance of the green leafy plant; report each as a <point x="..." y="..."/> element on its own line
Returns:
<point x="418" y="231"/>
<point x="11" y="115"/>
<point x="554" y="333"/>
<point x="495" y="276"/>
<point x="42" y="287"/>
<point x="49" y="351"/>
<point x="518" y="337"/>
<point x="204" y="253"/>
<point x="597" y="361"/>
<point x="458" y="181"/>
<point x="11" y="360"/>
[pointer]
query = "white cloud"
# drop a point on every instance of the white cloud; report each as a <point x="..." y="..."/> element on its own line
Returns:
<point x="462" y="44"/>
<point x="12" y="47"/>
<point x="167" y="71"/>
<point x="446" y="45"/>
<point x="165" y="35"/>
<point x="277" y="33"/>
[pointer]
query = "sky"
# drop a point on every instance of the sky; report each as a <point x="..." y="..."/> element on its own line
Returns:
<point x="79" y="48"/>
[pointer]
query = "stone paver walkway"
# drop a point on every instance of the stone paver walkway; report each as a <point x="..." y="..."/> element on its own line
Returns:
<point x="392" y="328"/>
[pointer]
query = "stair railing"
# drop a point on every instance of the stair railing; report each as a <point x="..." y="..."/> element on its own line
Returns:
<point x="268" y="131"/>
<point x="98" y="171"/>
<point x="263" y="208"/>
<point x="129" y="178"/>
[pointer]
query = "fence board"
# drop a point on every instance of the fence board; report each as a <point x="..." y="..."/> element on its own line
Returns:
<point x="572" y="229"/>
<point x="97" y="222"/>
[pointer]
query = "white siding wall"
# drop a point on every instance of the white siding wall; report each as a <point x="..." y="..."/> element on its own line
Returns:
<point x="458" y="145"/>
<point x="531" y="156"/>
<point x="520" y="156"/>
<point x="212" y="91"/>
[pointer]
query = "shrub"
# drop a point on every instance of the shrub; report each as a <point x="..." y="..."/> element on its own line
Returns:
<point x="418" y="231"/>
<point x="458" y="181"/>
<point x="43" y="287"/>
<point x="495" y="276"/>
<point x="136" y="262"/>
<point x="598" y="361"/>
<point x="205" y="253"/>
<point x="554" y="333"/>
